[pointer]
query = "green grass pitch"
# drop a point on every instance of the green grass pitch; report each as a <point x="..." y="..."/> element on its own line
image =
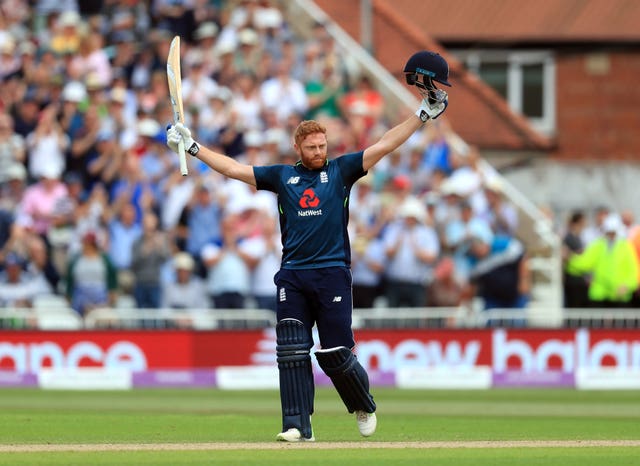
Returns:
<point x="165" y="426"/>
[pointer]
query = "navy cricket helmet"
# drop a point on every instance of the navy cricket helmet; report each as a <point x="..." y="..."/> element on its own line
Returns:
<point x="430" y="65"/>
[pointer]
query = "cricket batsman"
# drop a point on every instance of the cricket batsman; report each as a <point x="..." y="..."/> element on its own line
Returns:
<point x="314" y="280"/>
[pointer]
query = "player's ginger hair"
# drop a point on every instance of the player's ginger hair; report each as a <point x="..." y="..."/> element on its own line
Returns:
<point x="307" y="127"/>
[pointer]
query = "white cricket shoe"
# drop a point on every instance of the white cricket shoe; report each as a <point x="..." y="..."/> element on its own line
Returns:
<point x="367" y="423"/>
<point x="293" y="435"/>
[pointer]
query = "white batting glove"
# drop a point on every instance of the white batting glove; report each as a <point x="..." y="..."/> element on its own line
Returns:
<point x="178" y="132"/>
<point x="429" y="111"/>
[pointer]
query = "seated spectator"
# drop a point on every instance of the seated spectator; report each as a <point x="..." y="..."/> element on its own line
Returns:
<point x="124" y="231"/>
<point x="187" y="291"/>
<point x="91" y="278"/>
<point x="18" y="288"/>
<point x="613" y="264"/>
<point x="12" y="146"/>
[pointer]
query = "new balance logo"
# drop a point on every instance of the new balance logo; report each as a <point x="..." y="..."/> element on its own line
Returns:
<point x="337" y="299"/>
<point x="293" y="180"/>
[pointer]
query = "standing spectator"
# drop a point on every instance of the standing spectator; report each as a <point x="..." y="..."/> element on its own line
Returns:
<point x="613" y="264"/>
<point x="500" y="274"/>
<point x="501" y="214"/>
<point x="124" y="231"/>
<point x="593" y="230"/>
<point x="202" y="221"/>
<point x="91" y="278"/>
<point x="47" y="144"/>
<point x="575" y="283"/>
<point x="368" y="260"/>
<point x="150" y="251"/>
<point x="411" y="248"/>
<point x="284" y="93"/>
<point x="40" y="199"/>
<point x="12" y="145"/>
<point x="228" y="273"/>
<point x="264" y="254"/>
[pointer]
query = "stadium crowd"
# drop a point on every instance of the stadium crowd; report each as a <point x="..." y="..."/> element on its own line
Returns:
<point x="93" y="206"/>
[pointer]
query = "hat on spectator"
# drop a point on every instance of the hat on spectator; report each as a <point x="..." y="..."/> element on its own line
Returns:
<point x="225" y="47"/>
<point x="493" y="184"/>
<point x="223" y="93"/>
<point x="148" y="127"/>
<point x="401" y="182"/>
<point x="50" y="171"/>
<point x="413" y="208"/>
<point x="275" y="136"/>
<point x="253" y="138"/>
<point x="69" y="19"/>
<point x="93" y="82"/>
<point x="118" y="94"/>
<point x="7" y="45"/>
<point x="183" y="261"/>
<point x="206" y="30"/>
<point x="27" y="48"/>
<point x="16" y="171"/>
<point x="612" y="224"/>
<point x="268" y="18"/>
<point x="248" y="37"/>
<point x="74" y="91"/>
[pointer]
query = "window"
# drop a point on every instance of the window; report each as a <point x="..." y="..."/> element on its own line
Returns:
<point x="526" y="80"/>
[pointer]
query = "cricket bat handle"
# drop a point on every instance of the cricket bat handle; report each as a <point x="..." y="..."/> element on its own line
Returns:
<point x="183" y="158"/>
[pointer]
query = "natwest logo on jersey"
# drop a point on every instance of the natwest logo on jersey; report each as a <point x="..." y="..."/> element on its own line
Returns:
<point x="309" y="200"/>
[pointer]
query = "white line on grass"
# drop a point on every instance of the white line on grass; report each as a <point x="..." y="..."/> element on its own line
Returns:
<point x="317" y="445"/>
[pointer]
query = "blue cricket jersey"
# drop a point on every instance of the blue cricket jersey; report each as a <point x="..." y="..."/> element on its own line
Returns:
<point x="314" y="210"/>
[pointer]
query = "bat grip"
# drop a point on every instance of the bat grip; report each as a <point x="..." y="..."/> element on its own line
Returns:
<point x="183" y="158"/>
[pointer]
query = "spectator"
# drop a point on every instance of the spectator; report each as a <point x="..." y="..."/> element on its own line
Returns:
<point x="17" y="287"/>
<point x="124" y="232"/>
<point x="12" y="145"/>
<point x="150" y="252"/>
<point x="201" y="221"/>
<point x="500" y="273"/>
<point x="411" y="248"/>
<point x="501" y="214"/>
<point x="67" y="34"/>
<point x="187" y="291"/>
<point x="228" y="273"/>
<point x="575" y="284"/>
<point x="593" y="230"/>
<point x="91" y="278"/>
<point x="47" y="144"/>
<point x="264" y="253"/>
<point x="368" y="260"/>
<point x="40" y="199"/>
<point x="366" y="97"/>
<point x="613" y="264"/>
<point x="284" y="93"/>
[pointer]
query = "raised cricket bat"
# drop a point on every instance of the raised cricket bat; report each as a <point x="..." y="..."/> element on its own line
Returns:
<point x="175" y="94"/>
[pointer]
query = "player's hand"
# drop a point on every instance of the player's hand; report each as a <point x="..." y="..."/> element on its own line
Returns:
<point x="428" y="111"/>
<point x="178" y="132"/>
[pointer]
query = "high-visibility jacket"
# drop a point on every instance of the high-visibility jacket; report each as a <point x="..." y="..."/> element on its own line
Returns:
<point x="612" y="265"/>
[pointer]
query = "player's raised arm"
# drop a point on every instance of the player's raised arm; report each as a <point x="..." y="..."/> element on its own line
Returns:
<point x="219" y="162"/>
<point x="421" y="70"/>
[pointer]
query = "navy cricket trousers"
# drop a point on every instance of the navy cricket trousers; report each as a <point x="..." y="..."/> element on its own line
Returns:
<point x="321" y="297"/>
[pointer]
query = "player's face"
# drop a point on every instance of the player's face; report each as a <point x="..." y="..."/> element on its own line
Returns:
<point x="313" y="151"/>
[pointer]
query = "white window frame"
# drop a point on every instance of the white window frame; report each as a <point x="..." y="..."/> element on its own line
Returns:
<point x="515" y="60"/>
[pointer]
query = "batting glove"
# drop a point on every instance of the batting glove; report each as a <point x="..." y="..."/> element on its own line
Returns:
<point x="178" y="132"/>
<point x="431" y="111"/>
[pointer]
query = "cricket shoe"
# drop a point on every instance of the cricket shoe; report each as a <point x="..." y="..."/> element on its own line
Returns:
<point x="293" y="435"/>
<point x="367" y="423"/>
